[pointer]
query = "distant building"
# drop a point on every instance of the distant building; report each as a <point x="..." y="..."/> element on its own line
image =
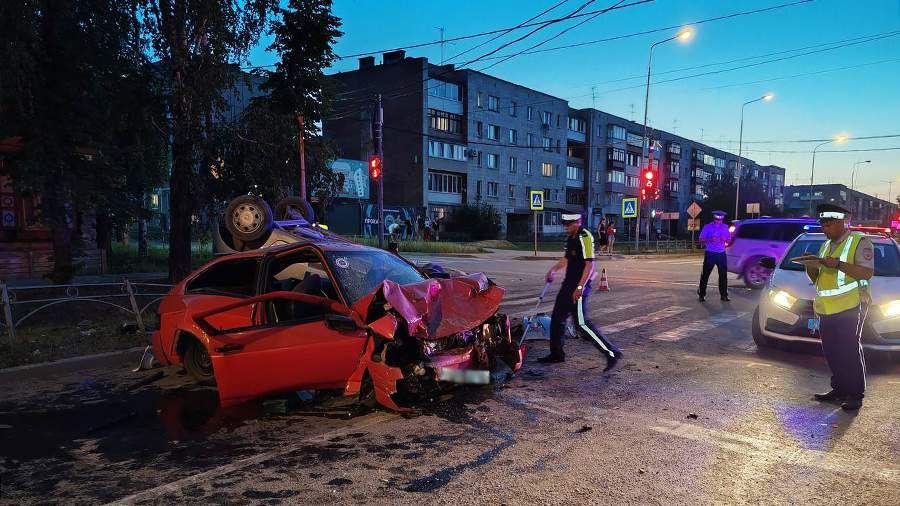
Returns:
<point x="865" y="208"/>
<point x="455" y="137"/>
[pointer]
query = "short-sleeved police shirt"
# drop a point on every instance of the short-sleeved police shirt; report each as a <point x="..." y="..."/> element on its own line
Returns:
<point x="579" y="249"/>
<point x="865" y="252"/>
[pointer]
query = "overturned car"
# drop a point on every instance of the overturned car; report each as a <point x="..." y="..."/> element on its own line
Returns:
<point x="330" y="314"/>
<point x="248" y="222"/>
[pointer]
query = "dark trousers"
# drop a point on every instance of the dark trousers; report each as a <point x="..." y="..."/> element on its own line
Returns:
<point x="841" y="333"/>
<point x="562" y="309"/>
<point x="713" y="259"/>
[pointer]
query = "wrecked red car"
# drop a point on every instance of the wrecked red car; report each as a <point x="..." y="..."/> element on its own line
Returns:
<point x="333" y="315"/>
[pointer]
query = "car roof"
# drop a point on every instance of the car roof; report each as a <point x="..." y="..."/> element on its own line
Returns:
<point x="876" y="238"/>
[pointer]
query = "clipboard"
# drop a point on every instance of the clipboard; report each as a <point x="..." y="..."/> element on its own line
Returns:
<point x="807" y="260"/>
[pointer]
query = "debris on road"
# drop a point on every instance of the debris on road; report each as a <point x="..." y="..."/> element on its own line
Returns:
<point x="112" y="423"/>
<point x="158" y="375"/>
<point x="583" y="429"/>
<point x="692" y="416"/>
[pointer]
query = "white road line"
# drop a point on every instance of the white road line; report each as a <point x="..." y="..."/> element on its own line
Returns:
<point x="175" y="486"/>
<point x="697" y="327"/>
<point x="643" y="320"/>
<point x="606" y="309"/>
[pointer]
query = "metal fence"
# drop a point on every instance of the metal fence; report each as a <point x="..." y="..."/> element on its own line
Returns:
<point x="20" y="303"/>
<point x="658" y="247"/>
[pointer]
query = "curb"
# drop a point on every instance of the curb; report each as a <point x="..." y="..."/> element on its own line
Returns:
<point x="71" y="360"/>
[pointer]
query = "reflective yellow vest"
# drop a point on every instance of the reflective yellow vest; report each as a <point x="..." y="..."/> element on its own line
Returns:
<point x="837" y="291"/>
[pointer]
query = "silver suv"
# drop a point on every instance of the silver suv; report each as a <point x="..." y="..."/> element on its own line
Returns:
<point x="754" y="239"/>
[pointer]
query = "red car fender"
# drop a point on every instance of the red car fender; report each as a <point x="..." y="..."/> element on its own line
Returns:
<point x="384" y="378"/>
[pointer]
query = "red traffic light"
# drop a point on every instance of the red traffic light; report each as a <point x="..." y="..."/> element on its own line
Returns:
<point x="374" y="166"/>
<point x="648" y="175"/>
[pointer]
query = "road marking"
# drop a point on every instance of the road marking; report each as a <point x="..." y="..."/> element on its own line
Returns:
<point x="657" y="282"/>
<point x="175" y="486"/>
<point x="674" y="262"/>
<point x="644" y="320"/>
<point x="607" y="309"/>
<point x="697" y="327"/>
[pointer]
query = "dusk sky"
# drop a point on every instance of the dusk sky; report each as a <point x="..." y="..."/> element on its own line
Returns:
<point x="851" y="89"/>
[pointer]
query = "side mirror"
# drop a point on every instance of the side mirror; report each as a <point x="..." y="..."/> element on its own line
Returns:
<point x="767" y="262"/>
<point x="340" y="322"/>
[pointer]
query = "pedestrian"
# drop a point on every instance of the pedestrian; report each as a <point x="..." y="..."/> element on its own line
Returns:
<point x="394" y="231"/>
<point x="601" y="235"/>
<point x="428" y="229"/>
<point x="420" y="226"/>
<point x="610" y="237"/>
<point x="841" y="272"/>
<point x="578" y="262"/>
<point x="713" y="237"/>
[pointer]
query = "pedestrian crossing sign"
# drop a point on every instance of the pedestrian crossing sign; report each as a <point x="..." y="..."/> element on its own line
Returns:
<point x="629" y="207"/>
<point x="537" y="200"/>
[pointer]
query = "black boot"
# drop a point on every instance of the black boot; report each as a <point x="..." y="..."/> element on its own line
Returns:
<point x="552" y="358"/>
<point x="701" y="296"/>
<point x="852" y="404"/>
<point x="829" y="396"/>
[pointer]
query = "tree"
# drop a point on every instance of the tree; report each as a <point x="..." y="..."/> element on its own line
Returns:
<point x="480" y="221"/>
<point x="197" y="41"/>
<point x="65" y="66"/>
<point x="720" y="196"/>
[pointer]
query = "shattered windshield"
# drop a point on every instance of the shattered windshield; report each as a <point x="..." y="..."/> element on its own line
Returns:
<point x="359" y="272"/>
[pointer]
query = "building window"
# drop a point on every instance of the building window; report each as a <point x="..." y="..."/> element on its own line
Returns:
<point x="547" y="143"/>
<point x="548" y="195"/>
<point x="709" y="159"/>
<point x="513" y="165"/>
<point x="513" y="108"/>
<point x="574" y="196"/>
<point x="576" y="124"/>
<point x="493" y="103"/>
<point x="529" y="112"/>
<point x="479" y="101"/>
<point x="673" y="185"/>
<point x="631" y="181"/>
<point x="547" y="169"/>
<point x="440" y="149"/>
<point x="598" y="176"/>
<point x="479" y="129"/>
<point x="493" y="132"/>
<point x="674" y="168"/>
<point x="615" y="176"/>
<point x="444" y="183"/>
<point x="445" y="121"/>
<point x="529" y="167"/>
<point x="574" y="173"/>
<point x="617" y="154"/>
<point x="616" y="132"/>
<point x="530" y="139"/>
<point x="492" y="161"/>
<point x="477" y="189"/>
<point x="478" y="159"/>
<point x="443" y="89"/>
<point x="632" y="159"/>
<point x="546" y="117"/>
<point x="513" y="136"/>
<point x="493" y="189"/>
<point x="675" y="148"/>
<point x="512" y="192"/>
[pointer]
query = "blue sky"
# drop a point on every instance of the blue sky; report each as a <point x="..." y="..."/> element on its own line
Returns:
<point x="860" y="101"/>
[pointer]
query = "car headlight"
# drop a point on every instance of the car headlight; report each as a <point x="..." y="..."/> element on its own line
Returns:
<point x="782" y="299"/>
<point x="891" y="309"/>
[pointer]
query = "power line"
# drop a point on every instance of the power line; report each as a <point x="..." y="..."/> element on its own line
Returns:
<point x="862" y="138"/>
<point x="804" y="74"/>
<point x="865" y="150"/>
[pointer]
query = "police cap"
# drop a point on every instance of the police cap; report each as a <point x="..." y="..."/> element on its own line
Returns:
<point x="831" y="212"/>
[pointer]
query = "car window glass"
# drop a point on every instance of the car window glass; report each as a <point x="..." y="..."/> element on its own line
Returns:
<point x="754" y="231"/>
<point x="230" y="277"/>
<point x="800" y="248"/>
<point x="787" y="232"/>
<point x="887" y="260"/>
<point x="359" y="272"/>
<point x="300" y="272"/>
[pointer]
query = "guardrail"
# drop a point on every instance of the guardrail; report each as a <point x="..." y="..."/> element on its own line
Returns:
<point x="123" y="295"/>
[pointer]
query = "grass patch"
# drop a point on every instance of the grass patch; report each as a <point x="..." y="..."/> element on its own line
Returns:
<point x="425" y="246"/>
<point x="123" y="259"/>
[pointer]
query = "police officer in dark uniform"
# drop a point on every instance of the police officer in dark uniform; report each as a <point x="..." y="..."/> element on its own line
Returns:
<point x="713" y="236"/>
<point x="578" y="262"/>
<point x="841" y="272"/>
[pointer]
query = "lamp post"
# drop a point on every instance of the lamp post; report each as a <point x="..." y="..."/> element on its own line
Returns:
<point x="853" y="172"/>
<point x="890" y="183"/>
<point x="812" y="170"/>
<point x="683" y="35"/>
<point x="738" y="167"/>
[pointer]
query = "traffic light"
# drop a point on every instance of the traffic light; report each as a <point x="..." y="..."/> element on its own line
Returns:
<point x="649" y="187"/>
<point x="375" y="167"/>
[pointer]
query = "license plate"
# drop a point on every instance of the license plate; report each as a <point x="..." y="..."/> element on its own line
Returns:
<point x="465" y="376"/>
<point x="812" y="325"/>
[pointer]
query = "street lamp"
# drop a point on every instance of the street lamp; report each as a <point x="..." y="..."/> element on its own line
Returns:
<point x="738" y="169"/>
<point x="890" y="183"/>
<point x="853" y="172"/>
<point x="684" y="35"/>
<point x="812" y="171"/>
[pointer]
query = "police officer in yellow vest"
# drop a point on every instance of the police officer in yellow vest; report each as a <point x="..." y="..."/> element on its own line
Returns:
<point x="841" y="275"/>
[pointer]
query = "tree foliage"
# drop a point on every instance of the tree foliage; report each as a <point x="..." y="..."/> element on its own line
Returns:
<point x="720" y="196"/>
<point x="481" y="221"/>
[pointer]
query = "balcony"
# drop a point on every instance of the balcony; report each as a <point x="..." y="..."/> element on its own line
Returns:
<point x="575" y="136"/>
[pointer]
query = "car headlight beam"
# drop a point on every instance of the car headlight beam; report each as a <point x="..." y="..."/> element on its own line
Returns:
<point x="782" y="299"/>
<point x="891" y="309"/>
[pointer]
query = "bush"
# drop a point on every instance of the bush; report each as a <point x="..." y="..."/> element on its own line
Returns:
<point x="480" y="221"/>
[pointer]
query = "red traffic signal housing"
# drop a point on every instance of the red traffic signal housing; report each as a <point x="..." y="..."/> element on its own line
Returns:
<point x="374" y="167"/>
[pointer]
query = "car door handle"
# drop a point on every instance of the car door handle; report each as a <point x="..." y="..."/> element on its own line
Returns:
<point x="229" y="348"/>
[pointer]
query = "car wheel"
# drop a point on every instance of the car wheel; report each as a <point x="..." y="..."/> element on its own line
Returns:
<point x="286" y="207"/>
<point x="199" y="364"/>
<point x="755" y="276"/>
<point x="758" y="337"/>
<point x="248" y="218"/>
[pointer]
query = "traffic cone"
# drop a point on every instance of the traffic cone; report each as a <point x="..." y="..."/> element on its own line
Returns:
<point x="604" y="283"/>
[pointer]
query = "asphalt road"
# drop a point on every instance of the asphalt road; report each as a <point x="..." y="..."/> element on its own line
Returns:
<point x="695" y="414"/>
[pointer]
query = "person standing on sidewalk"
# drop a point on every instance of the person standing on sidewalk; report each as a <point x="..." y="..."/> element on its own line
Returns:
<point x="610" y="236"/>
<point x="601" y="235"/>
<point x="713" y="237"/>
<point x="578" y="262"/>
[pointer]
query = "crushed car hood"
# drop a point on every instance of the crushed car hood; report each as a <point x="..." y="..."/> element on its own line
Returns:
<point x="437" y="308"/>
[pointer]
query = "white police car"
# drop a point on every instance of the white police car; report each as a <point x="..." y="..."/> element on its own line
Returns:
<point x="785" y="311"/>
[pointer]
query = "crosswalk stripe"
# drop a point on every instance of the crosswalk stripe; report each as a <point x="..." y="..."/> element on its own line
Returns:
<point x="606" y="309"/>
<point x="697" y="327"/>
<point x="644" y="320"/>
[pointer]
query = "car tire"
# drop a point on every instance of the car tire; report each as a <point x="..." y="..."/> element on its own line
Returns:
<point x="302" y="205"/>
<point x="198" y="363"/>
<point x="755" y="276"/>
<point x="248" y="218"/>
<point x="756" y="331"/>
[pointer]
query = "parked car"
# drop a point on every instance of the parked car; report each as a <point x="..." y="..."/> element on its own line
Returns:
<point x="754" y="239"/>
<point x="785" y="311"/>
<point x="330" y="314"/>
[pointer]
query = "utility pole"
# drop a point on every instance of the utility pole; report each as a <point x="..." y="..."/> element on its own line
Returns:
<point x="378" y="139"/>
<point x="441" y="29"/>
<point x="302" y="150"/>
